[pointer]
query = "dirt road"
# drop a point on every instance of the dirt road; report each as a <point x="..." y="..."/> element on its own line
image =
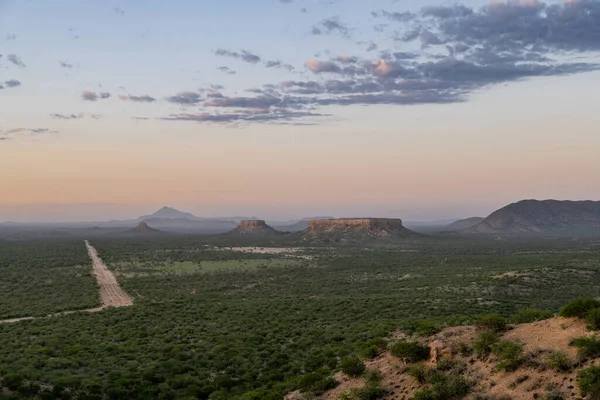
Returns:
<point x="110" y="292"/>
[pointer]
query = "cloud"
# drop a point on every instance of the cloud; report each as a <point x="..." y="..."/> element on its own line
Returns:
<point x="248" y="116"/>
<point x="15" y="59"/>
<point x="185" y="98"/>
<point x="226" y="70"/>
<point x="65" y="64"/>
<point x="244" y="55"/>
<point x="67" y="116"/>
<point x="11" y="36"/>
<point x="137" y="99"/>
<point x="519" y="24"/>
<point x="12" y="133"/>
<point x="12" y="83"/>
<point x="89" y="96"/>
<point x="394" y="16"/>
<point x="330" y="26"/>
<point x="273" y="64"/>
<point x="318" y="67"/>
<point x="119" y="11"/>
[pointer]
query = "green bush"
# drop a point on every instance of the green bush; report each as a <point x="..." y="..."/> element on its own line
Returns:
<point x="592" y="319"/>
<point x="444" y="387"/>
<point x="369" y="392"/>
<point x="484" y="343"/>
<point x="373" y="376"/>
<point x="464" y="349"/>
<point x="510" y="355"/>
<point x="352" y="366"/>
<point x="419" y="371"/>
<point x="371" y="349"/>
<point x="579" y="307"/>
<point x="588" y="347"/>
<point x="559" y="362"/>
<point x="409" y="351"/>
<point x="494" y="322"/>
<point x="588" y="380"/>
<point x="529" y="315"/>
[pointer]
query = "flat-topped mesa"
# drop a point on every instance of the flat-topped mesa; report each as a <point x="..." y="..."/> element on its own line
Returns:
<point x="254" y="226"/>
<point x="356" y="229"/>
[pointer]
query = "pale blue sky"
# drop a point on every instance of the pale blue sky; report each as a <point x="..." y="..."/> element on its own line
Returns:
<point x="471" y="109"/>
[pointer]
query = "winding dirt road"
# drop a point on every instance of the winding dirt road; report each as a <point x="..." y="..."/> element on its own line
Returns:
<point x="111" y="293"/>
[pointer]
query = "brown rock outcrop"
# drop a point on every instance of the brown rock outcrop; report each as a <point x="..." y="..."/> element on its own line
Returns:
<point x="255" y="227"/>
<point x="356" y="229"/>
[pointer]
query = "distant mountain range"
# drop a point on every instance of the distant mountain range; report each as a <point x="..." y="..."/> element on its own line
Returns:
<point x="463" y="224"/>
<point x="547" y="217"/>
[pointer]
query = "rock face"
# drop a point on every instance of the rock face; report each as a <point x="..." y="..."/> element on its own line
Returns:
<point x="356" y="230"/>
<point x="548" y="217"/>
<point x="254" y="227"/>
<point x="143" y="228"/>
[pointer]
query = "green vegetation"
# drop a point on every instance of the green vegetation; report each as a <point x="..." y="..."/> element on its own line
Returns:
<point x="494" y="322"/>
<point x="44" y="278"/>
<point x="579" y="307"/>
<point x="588" y="347"/>
<point x="529" y="315"/>
<point x="510" y="355"/>
<point x="419" y="371"/>
<point x="352" y="366"/>
<point x="409" y="351"/>
<point x="444" y="387"/>
<point x="588" y="380"/>
<point x="559" y="362"/>
<point x="592" y="319"/>
<point x="256" y="326"/>
<point x="485" y="342"/>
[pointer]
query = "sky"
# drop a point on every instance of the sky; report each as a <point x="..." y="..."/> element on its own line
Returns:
<point x="284" y="109"/>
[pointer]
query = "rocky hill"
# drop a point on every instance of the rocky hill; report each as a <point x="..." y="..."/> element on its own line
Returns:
<point x="464" y="223"/>
<point x="356" y="230"/>
<point x="254" y="227"/>
<point x="548" y="217"/>
<point x="168" y="213"/>
<point x="143" y="228"/>
<point x="527" y="361"/>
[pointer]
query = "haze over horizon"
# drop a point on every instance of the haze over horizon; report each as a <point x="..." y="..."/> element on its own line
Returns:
<point x="289" y="109"/>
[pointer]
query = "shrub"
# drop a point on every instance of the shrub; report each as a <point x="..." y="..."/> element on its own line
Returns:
<point x="588" y="347"/>
<point x="444" y="387"/>
<point x="484" y="343"/>
<point x="371" y="349"/>
<point x="494" y="322"/>
<point x="369" y="392"/>
<point x="579" y="307"/>
<point x="510" y="355"/>
<point x="528" y="315"/>
<point x="588" y="380"/>
<point x="419" y="371"/>
<point x="409" y="351"/>
<point x="352" y="366"/>
<point x="592" y="319"/>
<point x="373" y="376"/>
<point x="559" y="362"/>
<point x="464" y="349"/>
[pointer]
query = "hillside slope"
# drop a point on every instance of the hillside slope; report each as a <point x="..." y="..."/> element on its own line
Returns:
<point x="452" y="359"/>
<point x="463" y="224"/>
<point x="547" y="217"/>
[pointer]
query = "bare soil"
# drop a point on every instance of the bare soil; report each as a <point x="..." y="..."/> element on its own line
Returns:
<point x="110" y="292"/>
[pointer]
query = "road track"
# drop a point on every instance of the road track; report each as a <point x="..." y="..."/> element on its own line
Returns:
<point x="111" y="293"/>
